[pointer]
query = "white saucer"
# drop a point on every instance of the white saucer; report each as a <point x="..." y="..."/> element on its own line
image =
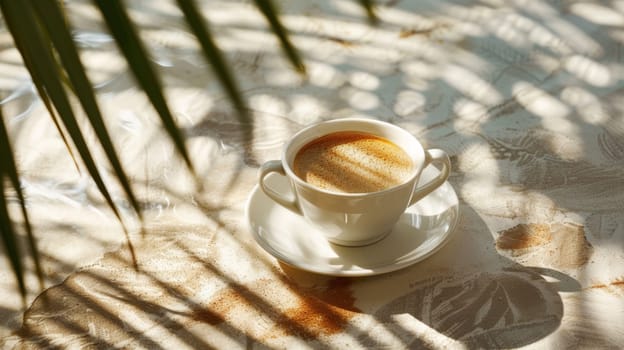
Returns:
<point x="423" y="229"/>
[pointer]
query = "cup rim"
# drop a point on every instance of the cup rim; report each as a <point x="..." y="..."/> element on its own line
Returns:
<point x="418" y="166"/>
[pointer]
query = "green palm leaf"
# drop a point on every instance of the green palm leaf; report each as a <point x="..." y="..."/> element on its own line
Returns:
<point x="9" y="169"/>
<point x="52" y="19"/>
<point x="270" y="13"/>
<point x="9" y="235"/>
<point x="370" y="11"/>
<point x="20" y="18"/>
<point x="130" y="44"/>
<point x="213" y="55"/>
<point x="46" y="101"/>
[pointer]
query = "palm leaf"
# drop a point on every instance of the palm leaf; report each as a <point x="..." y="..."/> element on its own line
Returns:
<point x="370" y="11"/>
<point x="270" y="13"/>
<point x="21" y="21"/>
<point x="6" y="227"/>
<point x="9" y="169"/>
<point x="214" y="55"/>
<point x="219" y="66"/>
<point x="128" y="41"/>
<point x="55" y="119"/>
<point x="46" y="102"/>
<point x="51" y="17"/>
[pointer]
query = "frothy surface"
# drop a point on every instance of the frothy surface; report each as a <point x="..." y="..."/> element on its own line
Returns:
<point x="352" y="162"/>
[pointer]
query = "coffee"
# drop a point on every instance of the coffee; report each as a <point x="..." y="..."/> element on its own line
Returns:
<point x="352" y="162"/>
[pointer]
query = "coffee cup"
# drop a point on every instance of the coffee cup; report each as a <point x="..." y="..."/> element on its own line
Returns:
<point x="353" y="178"/>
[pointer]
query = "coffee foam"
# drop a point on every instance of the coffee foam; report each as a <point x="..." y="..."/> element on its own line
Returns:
<point x="352" y="162"/>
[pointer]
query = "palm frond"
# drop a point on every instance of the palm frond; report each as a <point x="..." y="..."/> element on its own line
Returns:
<point x="20" y="19"/>
<point x="128" y="41"/>
<point x="9" y="235"/>
<point x="52" y="20"/>
<point x="9" y="169"/>
<point x="214" y="55"/>
<point x="370" y="11"/>
<point x="44" y="97"/>
<point x="22" y="23"/>
<point x="270" y="13"/>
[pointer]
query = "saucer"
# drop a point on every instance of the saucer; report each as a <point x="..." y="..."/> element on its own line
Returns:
<point x="421" y="231"/>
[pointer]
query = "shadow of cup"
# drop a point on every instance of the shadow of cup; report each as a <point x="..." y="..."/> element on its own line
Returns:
<point x="492" y="302"/>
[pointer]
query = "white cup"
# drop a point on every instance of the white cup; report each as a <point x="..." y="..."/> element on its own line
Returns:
<point x="354" y="219"/>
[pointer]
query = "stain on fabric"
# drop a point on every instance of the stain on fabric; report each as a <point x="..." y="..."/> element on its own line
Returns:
<point x="524" y="236"/>
<point x="558" y="245"/>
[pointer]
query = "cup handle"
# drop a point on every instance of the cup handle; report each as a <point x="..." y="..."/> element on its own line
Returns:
<point x="433" y="155"/>
<point x="275" y="166"/>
